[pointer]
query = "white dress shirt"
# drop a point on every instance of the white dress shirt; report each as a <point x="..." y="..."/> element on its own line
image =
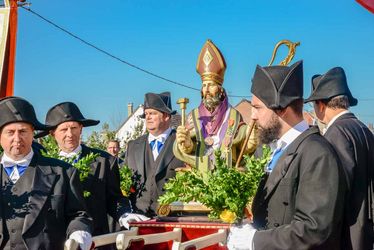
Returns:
<point x="288" y="137"/>
<point x="72" y="154"/>
<point x="160" y="138"/>
<point x="7" y="162"/>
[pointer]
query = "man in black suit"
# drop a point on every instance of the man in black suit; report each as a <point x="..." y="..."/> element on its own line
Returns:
<point x="41" y="198"/>
<point x="65" y="123"/>
<point x="299" y="203"/>
<point x="151" y="155"/>
<point x="113" y="148"/>
<point x="354" y="144"/>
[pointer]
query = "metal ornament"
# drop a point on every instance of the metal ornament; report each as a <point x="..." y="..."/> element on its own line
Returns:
<point x="209" y="141"/>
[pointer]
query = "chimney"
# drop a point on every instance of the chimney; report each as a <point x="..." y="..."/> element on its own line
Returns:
<point x="129" y="109"/>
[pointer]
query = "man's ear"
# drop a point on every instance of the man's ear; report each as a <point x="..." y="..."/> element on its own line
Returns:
<point x="321" y="106"/>
<point x="167" y="117"/>
<point x="81" y="127"/>
<point x="281" y="112"/>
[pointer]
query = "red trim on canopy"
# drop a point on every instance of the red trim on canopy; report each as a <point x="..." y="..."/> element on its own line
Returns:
<point x="368" y="4"/>
<point x="7" y="78"/>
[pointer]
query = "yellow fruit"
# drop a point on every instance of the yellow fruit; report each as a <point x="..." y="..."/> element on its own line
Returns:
<point x="228" y="216"/>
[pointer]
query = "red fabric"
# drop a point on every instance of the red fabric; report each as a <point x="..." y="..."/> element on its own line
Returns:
<point x="190" y="230"/>
<point x="368" y="4"/>
<point x="7" y="78"/>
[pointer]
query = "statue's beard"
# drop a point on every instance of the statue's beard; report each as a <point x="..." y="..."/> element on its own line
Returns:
<point x="212" y="102"/>
<point x="271" y="132"/>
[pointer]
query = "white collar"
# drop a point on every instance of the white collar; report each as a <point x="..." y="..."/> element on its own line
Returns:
<point x="9" y="162"/>
<point x="72" y="154"/>
<point x="161" y="138"/>
<point x="334" y="119"/>
<point x="290" y="135"/>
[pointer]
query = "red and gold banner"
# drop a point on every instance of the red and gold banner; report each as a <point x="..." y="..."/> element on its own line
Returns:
<point x="8" y="32"/>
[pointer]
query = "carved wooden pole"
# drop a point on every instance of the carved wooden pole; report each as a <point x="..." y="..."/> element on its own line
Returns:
<point x="250" y="127"/>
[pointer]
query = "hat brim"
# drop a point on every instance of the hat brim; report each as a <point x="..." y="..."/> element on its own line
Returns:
<point x="313" y="98"/>
<point x="36" y="125"/>
<point x="352" y="101"/>
<point x="45" y="131"/>
<point x="162" y="111"/>
<point x="41" y="134"/>
<point x="39" y="126"/>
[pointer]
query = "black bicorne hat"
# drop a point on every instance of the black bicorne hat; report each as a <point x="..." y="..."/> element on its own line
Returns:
<point x="278" y="86"/>
<point x="160" y="102"/>
<point x="16" y="109"/>
<point x="65" y="112"/>
<point x="329" y="85"/>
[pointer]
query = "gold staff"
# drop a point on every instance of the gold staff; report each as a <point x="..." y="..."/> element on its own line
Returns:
<point x="183" y="105"/>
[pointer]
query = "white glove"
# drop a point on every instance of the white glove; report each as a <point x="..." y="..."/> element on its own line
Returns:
<point x="126" y="218"/>
<point x="83" y="238"/>
<point x="241" y="238"/>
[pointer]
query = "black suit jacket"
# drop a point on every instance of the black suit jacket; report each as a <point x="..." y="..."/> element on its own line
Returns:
<point x="104" y="185"/>
<point x="300" y="204"/>
<point x="56" y="207"/>
<point x="354" y="144"/>
<point x="135" y="159"/>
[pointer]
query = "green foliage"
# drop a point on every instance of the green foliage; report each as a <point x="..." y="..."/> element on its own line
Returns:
<point x="126" y="182"/>
<point x="185" y="187"/>
<point x="255" y="166"/>
<point x="82" y="164"/>
<point x="224" y="188"/>
<point x="100" y="140"/>
<point x="138" y="186"/>
<point x="50" y="145"/>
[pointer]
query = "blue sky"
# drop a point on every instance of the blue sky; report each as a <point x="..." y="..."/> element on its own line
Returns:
<point x="165" y="37"/>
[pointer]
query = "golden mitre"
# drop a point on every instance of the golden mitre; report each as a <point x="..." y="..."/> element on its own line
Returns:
<point x="211" y="65"/>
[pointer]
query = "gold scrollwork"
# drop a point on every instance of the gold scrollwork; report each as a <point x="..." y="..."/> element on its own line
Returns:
<point x="163" y="210"/>
<point x="291" y="52"/>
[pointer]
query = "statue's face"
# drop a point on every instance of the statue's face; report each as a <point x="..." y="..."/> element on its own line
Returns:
<point x="211" y="93"/>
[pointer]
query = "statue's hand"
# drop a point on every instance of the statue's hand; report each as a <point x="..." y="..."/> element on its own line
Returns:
<point x="184" y="140"/>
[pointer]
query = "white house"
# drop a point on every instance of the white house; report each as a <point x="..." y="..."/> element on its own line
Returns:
<point x="128" y="127"/>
